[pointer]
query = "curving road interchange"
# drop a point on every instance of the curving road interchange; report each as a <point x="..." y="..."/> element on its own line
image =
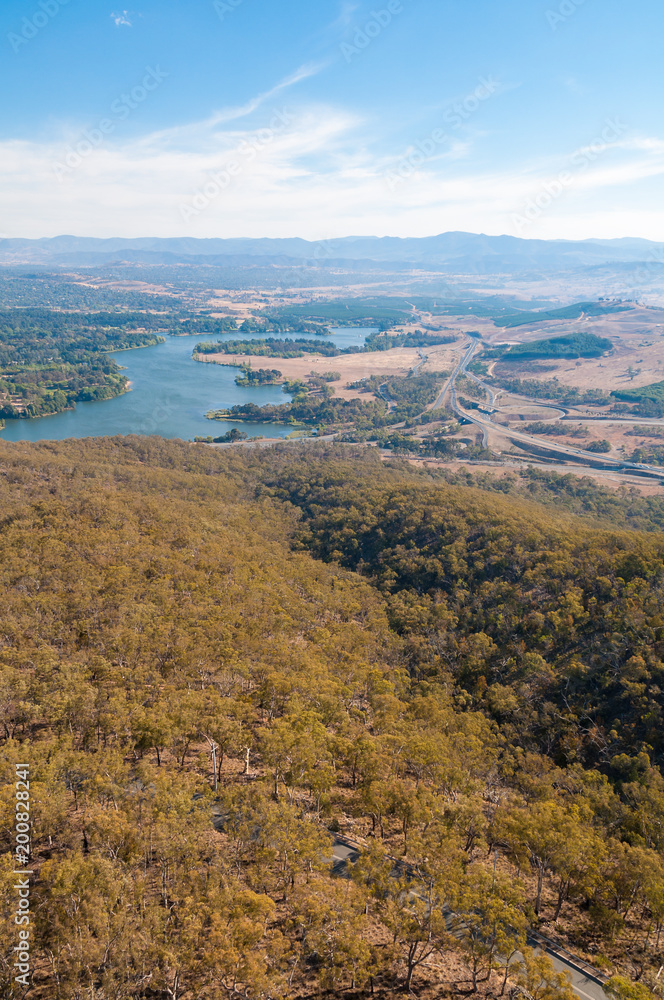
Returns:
<point x="484" y="422"/>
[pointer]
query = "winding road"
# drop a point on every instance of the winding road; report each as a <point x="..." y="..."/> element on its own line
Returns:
<point x="586" y="981"/>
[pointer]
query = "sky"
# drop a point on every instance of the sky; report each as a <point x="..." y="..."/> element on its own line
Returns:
<point x="327" y="118"/>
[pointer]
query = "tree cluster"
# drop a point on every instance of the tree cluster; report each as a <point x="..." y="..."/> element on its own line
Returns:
<point x="49" y="361"/>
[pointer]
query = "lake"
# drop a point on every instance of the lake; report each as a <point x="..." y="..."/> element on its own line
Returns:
<point x="170" y="395"/>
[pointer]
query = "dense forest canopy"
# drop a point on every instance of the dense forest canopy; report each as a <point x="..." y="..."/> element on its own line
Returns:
<point x="654" y="392"/>
<point x="24" y="287"/>
<point x="51" y="360"/>
<point x="274" y="347"/>
<point x="440" y="670"/>
<point x="398" y="398"/>
<point x="384" y="341"/>
<point x="384" y="312"/>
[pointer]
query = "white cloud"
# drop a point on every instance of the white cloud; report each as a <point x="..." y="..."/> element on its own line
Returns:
<point x="310" y="172"/>
<point x="121" y="18"/>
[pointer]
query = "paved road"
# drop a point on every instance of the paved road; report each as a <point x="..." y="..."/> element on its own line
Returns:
<point x="585" y="981"/>
<point x="486" y="424"/>
<point x="640" y="421"/>
<point x="567" y="451"/>
<point x="580" y="973"/>
<point x="492" y="393"/>
<point x="525" y="462"/>
<point x="461" y="367"/>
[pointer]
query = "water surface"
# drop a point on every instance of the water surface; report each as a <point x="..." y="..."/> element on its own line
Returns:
<point x="170" y="395"/>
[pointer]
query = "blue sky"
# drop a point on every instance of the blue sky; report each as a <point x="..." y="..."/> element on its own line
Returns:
<point x="330" y="118"/>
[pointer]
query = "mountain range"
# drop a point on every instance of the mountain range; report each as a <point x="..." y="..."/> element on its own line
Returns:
<point x="454" y="252"/>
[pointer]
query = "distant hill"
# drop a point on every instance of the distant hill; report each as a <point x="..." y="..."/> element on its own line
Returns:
<point x="567" y="312"/>
<point x="450" y="252"/>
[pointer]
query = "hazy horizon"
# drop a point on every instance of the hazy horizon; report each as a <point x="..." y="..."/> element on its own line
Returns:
<point x="347" y="236"/>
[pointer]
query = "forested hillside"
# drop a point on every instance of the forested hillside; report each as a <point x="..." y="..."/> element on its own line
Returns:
<point x="574" y="345"/>
<point x="455" y="677"/>
<point x="567" y="312"/>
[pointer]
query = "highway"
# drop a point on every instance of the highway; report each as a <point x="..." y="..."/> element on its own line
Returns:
<point x="485" y="424"/>
<point x="461" y="367"/>
<point x="566" y="454"/>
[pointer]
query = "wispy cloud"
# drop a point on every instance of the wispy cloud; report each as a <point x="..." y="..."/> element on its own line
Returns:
<point x="317" y="172"/>
<point x="345" y="18"/>
<point x="572" y="84"/>
<point x="232" y="114"/>
<point x="121" y="18"/>
<point x="331" y="32"/>
<point x="207" y="131"/>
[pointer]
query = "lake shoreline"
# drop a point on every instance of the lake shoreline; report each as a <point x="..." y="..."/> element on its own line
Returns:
<point x="138" y="347"/>
<point x="69" y="409"/>
<point x="167" y="394"/>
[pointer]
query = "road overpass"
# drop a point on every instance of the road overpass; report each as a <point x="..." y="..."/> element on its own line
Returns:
<point x="528" y="441"/>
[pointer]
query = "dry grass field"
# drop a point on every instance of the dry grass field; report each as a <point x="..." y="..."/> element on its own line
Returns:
<point x="637" y="358"/>
<point x="352" y="367"/>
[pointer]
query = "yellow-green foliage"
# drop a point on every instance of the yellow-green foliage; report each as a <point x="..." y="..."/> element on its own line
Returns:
<point x="434" y="668"/>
